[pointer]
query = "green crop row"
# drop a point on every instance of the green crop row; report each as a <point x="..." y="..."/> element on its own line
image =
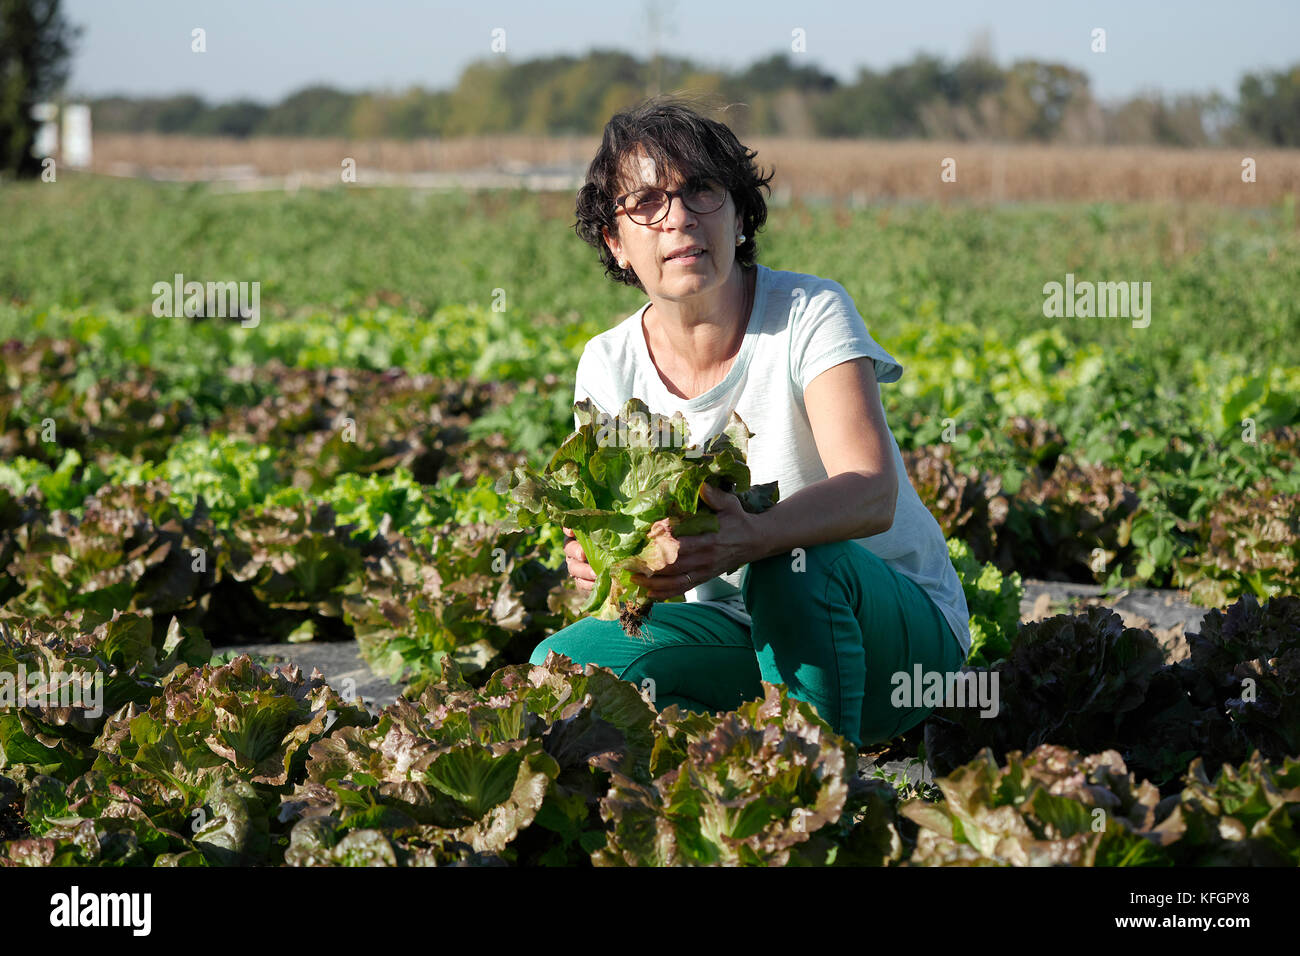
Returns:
<point x="1223" y="281"/>
<point x="1045" y="460"/>
<point x="180" y="762"/>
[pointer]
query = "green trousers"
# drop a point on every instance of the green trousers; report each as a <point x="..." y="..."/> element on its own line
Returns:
<point x="833" y="628"/>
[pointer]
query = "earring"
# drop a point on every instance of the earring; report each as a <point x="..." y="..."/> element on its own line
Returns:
<point x="740" y="239"/>
<point x="622" y="263"/>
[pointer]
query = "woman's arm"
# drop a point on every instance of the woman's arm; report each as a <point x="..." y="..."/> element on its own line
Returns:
<point x="857" y="498"/>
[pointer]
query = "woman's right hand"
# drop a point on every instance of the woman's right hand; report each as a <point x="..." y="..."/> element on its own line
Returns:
<point x="583" y="576"/>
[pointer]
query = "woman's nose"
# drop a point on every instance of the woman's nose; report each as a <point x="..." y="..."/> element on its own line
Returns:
<point x="678" y="214"/>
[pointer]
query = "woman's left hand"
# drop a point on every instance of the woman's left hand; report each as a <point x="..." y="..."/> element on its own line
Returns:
<point x="705" y="556"/>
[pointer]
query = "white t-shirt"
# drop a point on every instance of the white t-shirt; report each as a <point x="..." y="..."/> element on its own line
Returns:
<point x="800" y="326"/>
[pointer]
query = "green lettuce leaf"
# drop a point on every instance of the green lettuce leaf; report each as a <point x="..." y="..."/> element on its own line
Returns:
<point x="614" y="479"/>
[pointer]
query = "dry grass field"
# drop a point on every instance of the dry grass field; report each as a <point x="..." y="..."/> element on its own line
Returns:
<point x="854" y="171"/>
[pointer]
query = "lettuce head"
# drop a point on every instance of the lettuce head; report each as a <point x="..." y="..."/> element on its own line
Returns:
<point x="615" y="480"/>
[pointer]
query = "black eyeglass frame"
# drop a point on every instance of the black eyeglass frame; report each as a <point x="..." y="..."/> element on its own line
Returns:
<point x="672" y="194"/>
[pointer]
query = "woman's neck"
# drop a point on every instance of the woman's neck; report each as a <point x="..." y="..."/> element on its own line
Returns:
<point x="691" y="337"/>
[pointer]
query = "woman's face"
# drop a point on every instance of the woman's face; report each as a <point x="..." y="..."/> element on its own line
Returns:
<point x="648" y="250"/>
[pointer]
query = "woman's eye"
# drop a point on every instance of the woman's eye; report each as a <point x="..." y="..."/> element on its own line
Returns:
<point x="707" y="191"/>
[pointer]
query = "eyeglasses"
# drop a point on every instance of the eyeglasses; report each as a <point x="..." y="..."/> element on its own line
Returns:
<point x="647" y="206"/>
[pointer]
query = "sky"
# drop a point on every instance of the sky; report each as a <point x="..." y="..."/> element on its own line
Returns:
<point x="265" y="49"/>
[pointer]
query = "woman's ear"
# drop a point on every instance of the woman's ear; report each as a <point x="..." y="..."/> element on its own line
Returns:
<point x="615" y="247"/>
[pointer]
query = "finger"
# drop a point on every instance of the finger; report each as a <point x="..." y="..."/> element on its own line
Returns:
<point x="694" y="545"/>
<point x="644" y="581"/>
<point x="698" y="566"/>
<point x="663" y="592"/>
<point x="582" y="573"/>
<point x="719" y="500"/>
<point x="579" y="569"/>
<point x="658" y="593"/>
<point x="670" y="584"/>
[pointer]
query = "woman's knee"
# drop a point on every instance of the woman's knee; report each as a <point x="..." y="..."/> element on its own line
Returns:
<point x="946" y="662"/>
<point x="822" y="573"/>
<point x="781" y="572"/>
<point x="579" y="642"/>
<point x="543" y="648"/>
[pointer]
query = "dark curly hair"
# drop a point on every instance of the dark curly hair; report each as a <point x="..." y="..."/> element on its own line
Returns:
<point x="672" y="132"/>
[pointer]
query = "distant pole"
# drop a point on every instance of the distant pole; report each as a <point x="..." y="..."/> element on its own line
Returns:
<point x="653" y="31"/>
<point x="658" y="16"/>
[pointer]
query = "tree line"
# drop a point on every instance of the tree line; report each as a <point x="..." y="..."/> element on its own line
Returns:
<point x="927" y="97"/>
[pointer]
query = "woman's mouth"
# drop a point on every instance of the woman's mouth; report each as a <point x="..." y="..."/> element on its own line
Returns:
<point x="692" y="255"/>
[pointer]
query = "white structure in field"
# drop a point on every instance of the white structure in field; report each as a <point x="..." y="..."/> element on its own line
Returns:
<point x="76" y="139"/>
<point x="76" y="135"/>
<point x="47" y="134"/>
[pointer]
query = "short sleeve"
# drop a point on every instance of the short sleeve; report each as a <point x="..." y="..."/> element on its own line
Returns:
<point x="829" y="331"/>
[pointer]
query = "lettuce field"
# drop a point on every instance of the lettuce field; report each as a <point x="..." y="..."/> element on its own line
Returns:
<point x="327" y="469"/>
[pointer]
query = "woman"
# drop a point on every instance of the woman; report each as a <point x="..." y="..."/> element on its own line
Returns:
<point x="846" y="581"/>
